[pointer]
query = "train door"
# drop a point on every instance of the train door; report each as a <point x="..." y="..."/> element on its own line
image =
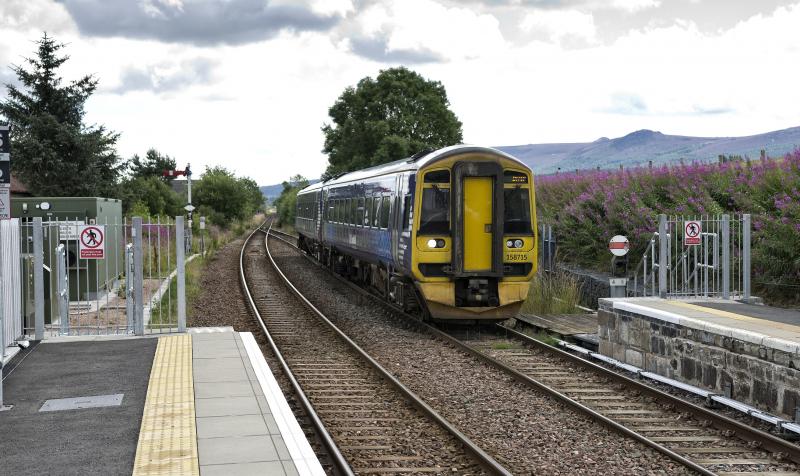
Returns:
<point x="478" y="220"/>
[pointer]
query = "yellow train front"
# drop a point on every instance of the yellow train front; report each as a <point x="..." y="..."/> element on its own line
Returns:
<point x="450" y="233"/>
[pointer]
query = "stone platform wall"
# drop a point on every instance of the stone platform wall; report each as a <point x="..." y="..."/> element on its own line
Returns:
<point x="763" y="377"/>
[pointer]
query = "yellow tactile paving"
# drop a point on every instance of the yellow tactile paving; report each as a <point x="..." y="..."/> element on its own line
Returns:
<point x="738" y="317"/>
<point x="168" y="437"/>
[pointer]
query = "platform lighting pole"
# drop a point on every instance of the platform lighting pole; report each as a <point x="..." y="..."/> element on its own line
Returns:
<point x="180" y="262"/>
<point x="190" y="208"/>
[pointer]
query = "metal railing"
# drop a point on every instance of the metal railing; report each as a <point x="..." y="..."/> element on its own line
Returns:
<point x="717" y="264"/>
<point x="135" y="288"/>
<point x="547" y="256"/>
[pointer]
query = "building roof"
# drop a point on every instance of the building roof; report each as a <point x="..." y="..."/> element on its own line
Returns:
<point x="18" y="188"/>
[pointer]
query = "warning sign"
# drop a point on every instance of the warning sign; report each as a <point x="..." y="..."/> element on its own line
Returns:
<point x="91" y="242"/>
<point x="5" y="201"/>
<point x="692" y="231"/>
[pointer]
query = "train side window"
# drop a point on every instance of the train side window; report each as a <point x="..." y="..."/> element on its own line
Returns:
<point x="386" y="206"/>
<point x="376" y="208"/>
<point x="337" y="207"/>
<point x="353" y="210"/>
<point x="435" y="216"/>
<point x="406" y="211"/>
<point x="360" y="212"/>
<point x="368" y="212"/>
<point x="517" y="215"/>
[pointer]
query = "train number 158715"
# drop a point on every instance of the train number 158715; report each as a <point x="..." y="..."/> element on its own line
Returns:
<point x="516" y="257"/>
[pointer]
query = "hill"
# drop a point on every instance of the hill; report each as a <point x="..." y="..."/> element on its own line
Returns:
<point x="641" y="146"/>
<point x="271" y="192"/>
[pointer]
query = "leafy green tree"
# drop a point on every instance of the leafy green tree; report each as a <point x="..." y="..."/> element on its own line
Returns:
<point x="150" y="192"/>
<point x="55" y="153"/>
<point x="223" y="197"/>
<point x="153" y="165"/>
<point x="393" y="116"/>
<point x="286" y="203"/>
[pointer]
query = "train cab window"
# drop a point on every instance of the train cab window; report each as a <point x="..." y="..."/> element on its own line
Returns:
<point x="406" y="211"/>
<point x="435" y="215"/>
<point x="386" y="206"/>
<point x="438" y="176"/>
<point x="376" y="209"/>
<point x="517" y="216"/>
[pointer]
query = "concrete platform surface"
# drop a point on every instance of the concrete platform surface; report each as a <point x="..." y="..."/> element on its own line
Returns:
<point x="244" y="425"/>
<point x="82" y="441"/>
<point x="199" y="403"/>
<point x="762" y="325"/>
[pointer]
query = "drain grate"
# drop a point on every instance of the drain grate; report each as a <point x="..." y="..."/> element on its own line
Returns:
<point x="77" y="403"/>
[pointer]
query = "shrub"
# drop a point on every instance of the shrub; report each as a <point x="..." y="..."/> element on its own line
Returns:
<point x="587" y="208"/>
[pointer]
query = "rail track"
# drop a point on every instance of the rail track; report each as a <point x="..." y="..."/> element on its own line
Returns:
<point x="698" y="438"/>
<point x="367" y="421"/>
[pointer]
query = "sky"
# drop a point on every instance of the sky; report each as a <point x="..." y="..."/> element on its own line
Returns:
<point x="247" y="84"/>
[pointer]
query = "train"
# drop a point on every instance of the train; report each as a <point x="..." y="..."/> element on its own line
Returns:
<point x="448" y="235"/>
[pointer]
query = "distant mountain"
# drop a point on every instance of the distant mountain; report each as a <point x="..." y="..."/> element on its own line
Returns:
<point x="271" y="192"/>
<point x="644" y="145"/>
<point x="636" y="148"/>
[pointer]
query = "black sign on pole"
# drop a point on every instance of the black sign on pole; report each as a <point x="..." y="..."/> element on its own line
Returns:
<point x="5" y="143"/>
<point x="5" y="171"/>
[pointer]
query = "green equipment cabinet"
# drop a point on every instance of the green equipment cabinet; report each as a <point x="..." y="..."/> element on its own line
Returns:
<point x="62" y="219"/>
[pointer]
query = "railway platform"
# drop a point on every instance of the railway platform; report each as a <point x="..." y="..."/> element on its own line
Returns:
<point x="747" y="352"/>
<point x="204" y="402"/>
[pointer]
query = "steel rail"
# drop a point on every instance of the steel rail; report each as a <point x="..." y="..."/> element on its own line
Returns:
<point x="338" y="461"/>
<point x="769" y="442"/>
<point x="484" y="458"/>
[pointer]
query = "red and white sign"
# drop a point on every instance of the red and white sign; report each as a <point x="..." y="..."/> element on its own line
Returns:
<point x="91" y="242"/>
<point x="692" y="232"/>
<point x="619" y="245"/>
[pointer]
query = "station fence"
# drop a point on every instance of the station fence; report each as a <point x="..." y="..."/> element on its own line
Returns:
<point x="718" y="265"/>
<point x="136" y="288"/>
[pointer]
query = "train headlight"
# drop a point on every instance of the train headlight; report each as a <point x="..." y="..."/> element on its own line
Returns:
<point x="518" y="243"/>
<point x="510" y="244"/>
<point x="436" y="243"/>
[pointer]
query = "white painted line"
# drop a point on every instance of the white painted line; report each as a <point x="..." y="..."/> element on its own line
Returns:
<point x="303" y="456"/>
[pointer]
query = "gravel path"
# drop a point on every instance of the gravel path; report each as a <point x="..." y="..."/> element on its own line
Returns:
<point x="527" y="432"/>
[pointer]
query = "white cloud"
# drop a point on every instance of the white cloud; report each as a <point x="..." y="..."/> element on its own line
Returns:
<point x="559" y="25"/>
<point x="446" y="32"/>
<point x="261" y="114"/>
<point x="635" y="5"/>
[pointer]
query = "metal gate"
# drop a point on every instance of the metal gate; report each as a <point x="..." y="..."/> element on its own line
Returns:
<point x="136" y="287"/>
<point x="700" y="256"/>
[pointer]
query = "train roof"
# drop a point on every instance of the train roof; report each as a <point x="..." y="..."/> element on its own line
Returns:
<point x="409" y="164"/>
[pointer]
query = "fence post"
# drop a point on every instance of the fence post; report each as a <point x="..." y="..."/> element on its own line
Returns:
<point x="180" y="248"/>
<point x="38" y="279"/>
<point x="129" y="294"/>
<point x="726" y="256"/>
<point x="138" y="280"/>
<point x="663" y="244"/>
<point x="62" y="288"/>
<point x="746" y="255"/>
